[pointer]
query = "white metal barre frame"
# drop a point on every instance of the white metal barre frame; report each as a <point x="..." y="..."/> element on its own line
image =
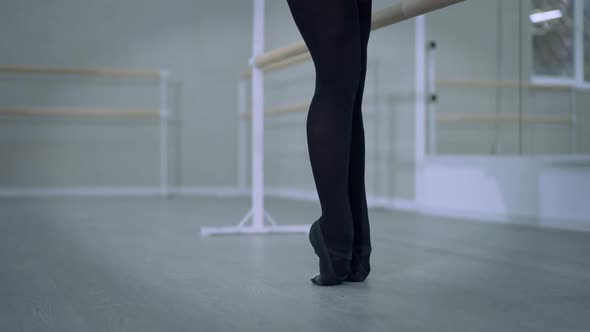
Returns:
<point x="257" y="214"/>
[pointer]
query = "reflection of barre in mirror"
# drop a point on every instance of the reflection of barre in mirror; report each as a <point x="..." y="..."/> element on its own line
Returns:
<point x="549" y="119"/>
<point x="473" y="84"/>
<point x="278" y="59"/>
<point x="435" y="116"/>
<point x="162" y="76"/>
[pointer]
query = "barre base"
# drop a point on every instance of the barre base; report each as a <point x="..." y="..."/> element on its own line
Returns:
<point x="251" y="230"/>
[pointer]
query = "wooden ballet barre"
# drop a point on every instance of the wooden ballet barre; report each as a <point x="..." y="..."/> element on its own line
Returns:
<point x="282" y="110"/>
<point x="59" y="112"/>
<point x="542" y="119"/>
<point x="301" y="58"/>
<point x="502" y="84"/>
<point x="404" y="10"/>
<point x="407" y="9"/>
<point x="80" y="71"/>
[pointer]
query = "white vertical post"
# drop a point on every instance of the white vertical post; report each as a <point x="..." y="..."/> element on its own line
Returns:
<point x="579" y="41"/>
<point x="573" y="119"/>
<point x="419" y="132"/>
<point x="433" y="99"/>
<point x="578" y="65"/>
<point x="242" y="139"/>
<point x="382" y="146"/>
<point x="164" y="132"/>
<point x="420" y="107"/>
<point x="258" y="118"/>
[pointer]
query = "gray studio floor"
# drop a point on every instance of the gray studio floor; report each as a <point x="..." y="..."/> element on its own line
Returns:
<point x="87" y="264"/>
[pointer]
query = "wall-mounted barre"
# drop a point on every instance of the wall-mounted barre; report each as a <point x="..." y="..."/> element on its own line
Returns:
<point x="162" y="77"/>
<point x="81" y="71"/>
<point x="538" y="119"/>
<point x="70" y="112"/>
<point x="404" y="10"/>
<point x="503" y="84"/>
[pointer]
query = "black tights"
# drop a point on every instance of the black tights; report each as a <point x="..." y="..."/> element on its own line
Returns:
<point x="337" y="33"/>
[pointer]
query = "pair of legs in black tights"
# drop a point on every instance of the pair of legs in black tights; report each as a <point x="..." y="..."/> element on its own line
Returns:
<point x="336" y="33"/>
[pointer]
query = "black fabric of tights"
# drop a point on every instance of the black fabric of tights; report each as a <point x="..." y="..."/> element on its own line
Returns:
<point x="336" y="33"/>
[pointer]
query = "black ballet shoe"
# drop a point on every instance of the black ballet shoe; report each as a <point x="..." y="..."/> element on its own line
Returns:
<point x="329" y="259"/>
<point x="359" y="266"/>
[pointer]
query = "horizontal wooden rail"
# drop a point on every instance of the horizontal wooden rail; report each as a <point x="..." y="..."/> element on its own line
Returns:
<point x="404" y="10"/>
<point x="541" y="119"/>
<point x="81" y="71"/>
<point x="59" y="112"/>
<point x="502" y="84"/>
<point x="282" y="110"/>
<point x="301" y="58"/>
